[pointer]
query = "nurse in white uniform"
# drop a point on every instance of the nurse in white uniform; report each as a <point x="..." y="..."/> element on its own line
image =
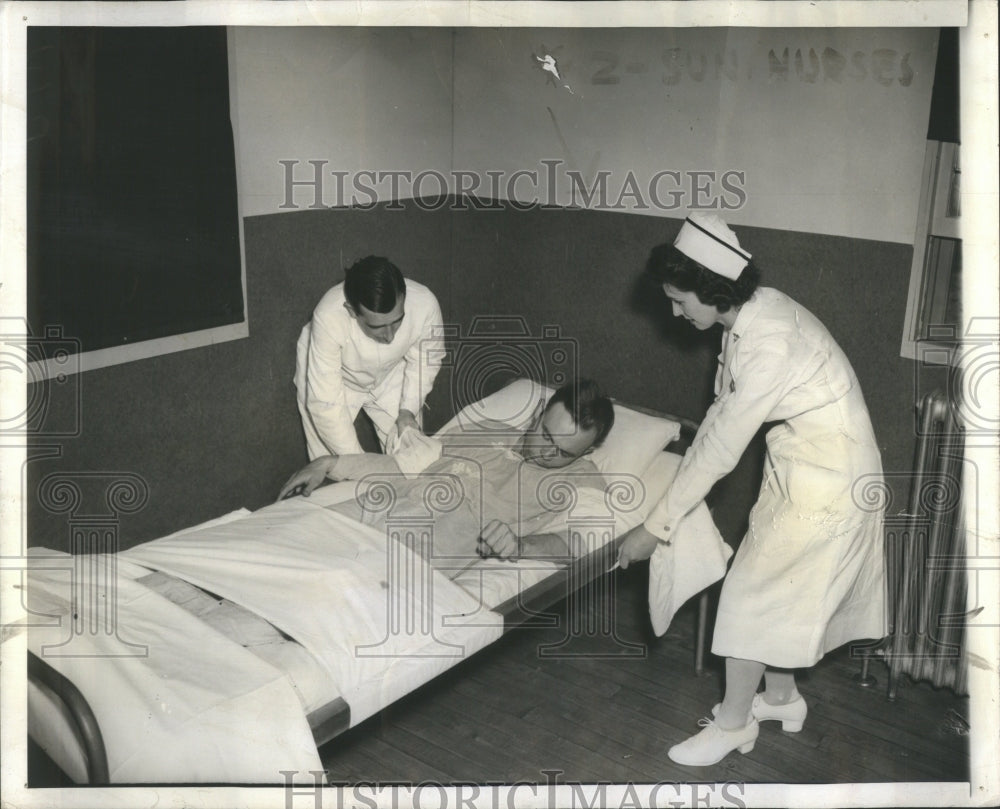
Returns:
<point x="374" y="342"/>
<point x="809" y="574"/>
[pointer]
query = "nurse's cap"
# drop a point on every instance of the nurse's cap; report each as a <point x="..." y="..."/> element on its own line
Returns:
<point x="709" y="241"/>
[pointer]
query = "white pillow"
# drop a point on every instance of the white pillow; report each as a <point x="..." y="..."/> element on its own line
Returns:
<point x="512" y="405"/>
<point x="634" y="441"/>
<point x="656" y="480"/>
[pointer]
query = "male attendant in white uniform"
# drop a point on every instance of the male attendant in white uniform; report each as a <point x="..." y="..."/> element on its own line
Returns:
<point x="374" y="343"/>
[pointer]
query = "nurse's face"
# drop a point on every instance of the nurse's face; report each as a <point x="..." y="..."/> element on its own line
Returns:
<point x="686" y="304"/>
<point x="380" y="326"/>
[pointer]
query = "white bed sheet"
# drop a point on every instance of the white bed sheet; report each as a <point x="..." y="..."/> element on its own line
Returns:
<point x="166" y="715"/>
<point x="324" y="580"/>
<point x="312" y="684"/>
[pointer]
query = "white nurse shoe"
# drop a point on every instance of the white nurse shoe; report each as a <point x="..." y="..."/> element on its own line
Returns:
<point x="792" y="714"/>
<point x="713" y="743"/>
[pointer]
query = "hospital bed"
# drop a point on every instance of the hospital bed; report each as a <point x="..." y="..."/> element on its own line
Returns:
<point x="239" y="646"/>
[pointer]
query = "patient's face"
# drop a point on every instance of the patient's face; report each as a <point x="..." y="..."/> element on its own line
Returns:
<point x="554" y="440"/>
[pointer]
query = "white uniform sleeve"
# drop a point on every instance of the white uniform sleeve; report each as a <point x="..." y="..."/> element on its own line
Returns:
<point x="732" y="420"/>
<point x="326" y="398"/>
<point x="423" y="359"/>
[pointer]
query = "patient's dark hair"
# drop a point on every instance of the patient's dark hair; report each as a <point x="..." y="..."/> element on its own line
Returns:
<point x="375" y="283"/>
<point x="670" y="266"/>
<point x="591" y="409"/>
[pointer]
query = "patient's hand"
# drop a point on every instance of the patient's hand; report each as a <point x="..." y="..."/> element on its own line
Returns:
<point x="404" y="420"/>
<point x="497" y="539"/>
<point x="309" y="477"/>
<point x="638" y="544"/>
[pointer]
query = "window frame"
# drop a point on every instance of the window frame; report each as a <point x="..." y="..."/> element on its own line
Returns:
<point x="941" y="173"/>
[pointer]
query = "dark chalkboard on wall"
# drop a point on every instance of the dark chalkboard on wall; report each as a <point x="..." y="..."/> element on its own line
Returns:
<point x="131" y="190"/>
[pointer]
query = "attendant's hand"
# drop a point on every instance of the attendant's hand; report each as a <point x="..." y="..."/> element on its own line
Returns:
<point x="498" y="540"/>
<point x="638" y="544"/>
<point x="309" y="477"/>
<point x="404" y="420"/>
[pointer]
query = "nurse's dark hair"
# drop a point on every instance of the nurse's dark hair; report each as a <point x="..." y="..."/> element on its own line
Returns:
<point x="668" y="265"/>
<point x="375" y="283"/>
<point x="590" y="408"/>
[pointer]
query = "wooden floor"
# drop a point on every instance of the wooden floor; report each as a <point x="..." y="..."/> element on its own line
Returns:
<point x="608" y="709"/>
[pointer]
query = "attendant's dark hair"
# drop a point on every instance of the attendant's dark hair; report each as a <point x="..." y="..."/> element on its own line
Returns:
<point x="375" y="283"/>
<point x="670" y="266"/>
<point x="590" y="409"/>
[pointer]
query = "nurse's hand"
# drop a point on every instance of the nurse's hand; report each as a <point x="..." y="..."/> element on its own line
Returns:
<point x="404" y="420"/>
<point x="309" y="477"/>
<point x="638" y="544"/>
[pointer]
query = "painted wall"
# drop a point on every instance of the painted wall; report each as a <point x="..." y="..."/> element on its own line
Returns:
<point x="359" y="99"/>
<point x="811" y="130"/>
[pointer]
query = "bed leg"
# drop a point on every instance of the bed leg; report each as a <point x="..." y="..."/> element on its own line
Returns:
<point x="699" y="641"/>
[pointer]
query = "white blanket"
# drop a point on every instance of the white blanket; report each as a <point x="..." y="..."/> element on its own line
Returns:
<point x="175" y="700"/>
<point x="380" y="624"/>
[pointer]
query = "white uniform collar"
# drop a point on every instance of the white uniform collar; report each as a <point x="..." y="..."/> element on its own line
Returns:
<point x="748" y="311"/>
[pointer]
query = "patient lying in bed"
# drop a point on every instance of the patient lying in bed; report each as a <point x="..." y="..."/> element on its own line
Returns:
<point x="495" y="493"/>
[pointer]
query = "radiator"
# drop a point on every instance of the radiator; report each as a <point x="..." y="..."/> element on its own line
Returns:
<point x="925" y="560"/>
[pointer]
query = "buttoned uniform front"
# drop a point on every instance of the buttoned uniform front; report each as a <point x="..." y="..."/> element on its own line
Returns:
<point x="809" y="574"/>
<point x="339" y="370"/>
